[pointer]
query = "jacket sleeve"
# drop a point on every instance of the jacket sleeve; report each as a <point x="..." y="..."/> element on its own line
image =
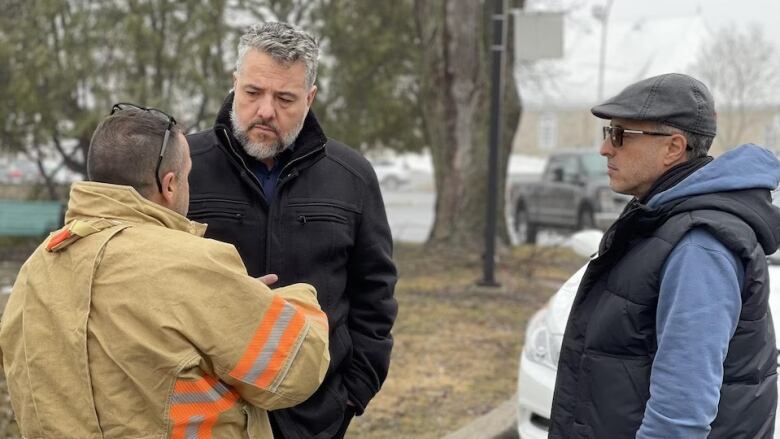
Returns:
<point x="270" y="346"/>
<point x="698" y="310"/>
<point x="370" y="285"/>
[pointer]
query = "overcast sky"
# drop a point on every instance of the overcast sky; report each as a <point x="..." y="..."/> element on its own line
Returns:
<point x="719" y="13"/>
<point x="645" y="38"/>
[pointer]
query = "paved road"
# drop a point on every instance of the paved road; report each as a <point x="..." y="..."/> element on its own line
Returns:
<point x="410" y="213"/>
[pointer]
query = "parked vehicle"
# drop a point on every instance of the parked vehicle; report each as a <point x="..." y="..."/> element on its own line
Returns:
<point x="19" y="171"/>
<point x="25" y="171"/>
<point x="573" y="194"/>
<point x="544" y="335"/>
<point x="391" y="174"/>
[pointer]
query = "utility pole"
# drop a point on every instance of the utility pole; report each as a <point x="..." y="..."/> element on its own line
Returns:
<point x="601" y="13"/>
<point x="497" y="50"/>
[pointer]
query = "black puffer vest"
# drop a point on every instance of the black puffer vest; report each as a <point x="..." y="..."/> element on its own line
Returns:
<point x="603" y="381"/>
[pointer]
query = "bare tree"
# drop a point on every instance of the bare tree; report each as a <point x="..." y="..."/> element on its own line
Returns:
<point x="742" y="69"/>
<point x="454" y="94"/>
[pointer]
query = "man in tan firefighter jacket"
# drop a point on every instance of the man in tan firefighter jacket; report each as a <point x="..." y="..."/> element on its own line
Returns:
<point x="114" y="328"/>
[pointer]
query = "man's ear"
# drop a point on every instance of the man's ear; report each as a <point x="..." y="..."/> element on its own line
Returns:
<point x="169" y="186"/>
<point x="310" y="96"/>
<point x="677" y="150"/>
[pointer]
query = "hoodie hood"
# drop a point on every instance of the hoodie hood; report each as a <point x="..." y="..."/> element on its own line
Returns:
<point x="738" y="182"/>
<point x="746" y="167"/>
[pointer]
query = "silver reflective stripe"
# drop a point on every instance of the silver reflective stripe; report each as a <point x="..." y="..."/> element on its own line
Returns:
<point x="262" y="360"/>
<point x="211" y="395"/>
<point x="193" y="425"/>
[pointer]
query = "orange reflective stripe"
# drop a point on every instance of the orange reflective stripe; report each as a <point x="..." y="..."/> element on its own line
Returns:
<point x="207" y="427"/>
<point x="273" y="342"/>
<point x="195" y="386"/>
<point x="262" y="333"/>
<point x="286" y="344"/>
<point x="57" y="239"/>
<point x="197" y="404"/>
<point x="312" y="313"/>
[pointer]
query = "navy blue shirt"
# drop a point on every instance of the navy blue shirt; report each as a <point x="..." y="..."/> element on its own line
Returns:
<point x="268" y="178"/>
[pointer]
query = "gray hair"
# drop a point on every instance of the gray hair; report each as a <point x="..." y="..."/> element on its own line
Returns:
<point x="698" y="144"/>
<point x="126" y="146"/>
<point x="284" y="43"/>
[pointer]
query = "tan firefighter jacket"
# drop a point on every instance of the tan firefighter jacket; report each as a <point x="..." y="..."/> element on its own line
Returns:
<point x="128" y="324"/>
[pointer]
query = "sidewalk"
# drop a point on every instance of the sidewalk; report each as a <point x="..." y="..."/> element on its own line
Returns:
<point x="499" y="423"/>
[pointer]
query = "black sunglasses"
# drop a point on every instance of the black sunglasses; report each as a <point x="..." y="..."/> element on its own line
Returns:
<point x="615" y="134"/>
<point x="159" y="113"/>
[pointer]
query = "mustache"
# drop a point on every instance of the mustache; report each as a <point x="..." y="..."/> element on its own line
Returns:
<point x="264" y="124"/>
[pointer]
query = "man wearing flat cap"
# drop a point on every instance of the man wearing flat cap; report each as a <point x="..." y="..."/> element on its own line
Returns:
<point x="670" y="334"/>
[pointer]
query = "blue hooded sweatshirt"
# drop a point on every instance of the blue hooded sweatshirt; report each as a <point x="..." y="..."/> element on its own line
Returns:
<point x="699" y="304"/>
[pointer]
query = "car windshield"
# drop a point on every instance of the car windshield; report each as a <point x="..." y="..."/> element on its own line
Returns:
<point x="594" y="164"/>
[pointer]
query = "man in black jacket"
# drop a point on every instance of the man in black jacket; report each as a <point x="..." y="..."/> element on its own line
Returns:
<point x="306" y="208"/>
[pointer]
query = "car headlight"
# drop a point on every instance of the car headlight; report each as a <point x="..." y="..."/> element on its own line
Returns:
<point x="540" y="345"/>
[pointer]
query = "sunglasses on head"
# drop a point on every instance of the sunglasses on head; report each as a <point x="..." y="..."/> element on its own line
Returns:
<point x="158" y="113"/>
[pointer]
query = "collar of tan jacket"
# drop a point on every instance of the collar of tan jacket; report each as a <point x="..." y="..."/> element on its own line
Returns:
<point x="123" y="204"/>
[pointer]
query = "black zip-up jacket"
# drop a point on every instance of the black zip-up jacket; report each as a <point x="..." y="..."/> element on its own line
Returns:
<point x="326" y="226"/>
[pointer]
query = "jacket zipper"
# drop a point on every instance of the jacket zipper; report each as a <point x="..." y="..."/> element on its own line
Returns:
<point x="303" y="219"/>
<point x="272" y="207"/>
<point x="246" y="173"/>
<point x="281" y="183"/>
<point x="298" y="159"/>
<point x="216" y="214"/>
<point x="323" y="203"/>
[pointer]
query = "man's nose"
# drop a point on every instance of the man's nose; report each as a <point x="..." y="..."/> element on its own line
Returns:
<point x="265" y="108"/>
<point x="606" y="149"/>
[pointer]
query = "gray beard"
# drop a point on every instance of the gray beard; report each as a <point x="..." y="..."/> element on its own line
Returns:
<point x="262" y="150"/>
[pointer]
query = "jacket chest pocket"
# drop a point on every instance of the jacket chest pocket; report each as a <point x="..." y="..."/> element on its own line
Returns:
<point x="317" y="238"/>
<point x="313" y="213"/>
<point x="205" y="209"/>
<point x="305" y="218"/>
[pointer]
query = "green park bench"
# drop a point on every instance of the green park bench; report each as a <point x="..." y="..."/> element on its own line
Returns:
<point x="29" y="218"/>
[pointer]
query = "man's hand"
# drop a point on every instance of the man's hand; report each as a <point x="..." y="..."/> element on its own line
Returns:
<point x="268" y="279"/>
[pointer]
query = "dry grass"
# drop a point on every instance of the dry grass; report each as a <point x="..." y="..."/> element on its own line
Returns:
<point x="456" y="346"/>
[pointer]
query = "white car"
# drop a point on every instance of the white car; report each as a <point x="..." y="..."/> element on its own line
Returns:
<point x="544" y="335"/>
<point x="391" y="174"/>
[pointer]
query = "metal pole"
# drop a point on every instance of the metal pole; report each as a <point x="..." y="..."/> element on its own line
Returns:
<point x="497" y="50"/>
<point x="601" y="14"/>
<point x="603" y="49"/>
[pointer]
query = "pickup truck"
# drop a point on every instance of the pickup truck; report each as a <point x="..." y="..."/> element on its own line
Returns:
<point x="573" y="194"/>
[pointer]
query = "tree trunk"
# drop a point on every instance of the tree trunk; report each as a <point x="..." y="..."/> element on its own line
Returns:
<point x="454" y="37"/>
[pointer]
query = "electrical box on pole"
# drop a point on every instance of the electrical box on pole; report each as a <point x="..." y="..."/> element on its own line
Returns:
<point x="538" y="35"/>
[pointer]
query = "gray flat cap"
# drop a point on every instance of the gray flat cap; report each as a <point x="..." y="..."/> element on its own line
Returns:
<point x="672" y="99"/>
